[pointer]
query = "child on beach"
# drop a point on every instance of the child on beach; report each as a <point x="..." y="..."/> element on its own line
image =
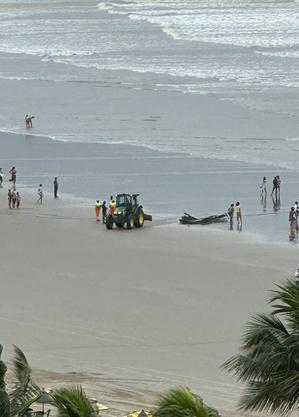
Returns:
<point x="98" y="210"/>
<point x="9" y="195"/>
<point x="40" y="194"/>
<point x="230" y="212"/>
<point x="13" y="199"/>
<point x="18" y="200"/>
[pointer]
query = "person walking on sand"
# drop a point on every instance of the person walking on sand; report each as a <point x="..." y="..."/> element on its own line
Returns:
<point x="9" y="196"/>
<point x="55" y="183"/>
<point x="263" y="188"/>
<point x="18" y="200"/>
<point x="40" y="194"/>
<point x="104" y="211"/>
<point x="230" y="213"/>
<point x="98" y="210"/>
<point x="238" y="214"/>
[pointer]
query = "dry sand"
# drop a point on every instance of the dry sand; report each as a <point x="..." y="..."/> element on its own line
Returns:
<point x="130" y="313"/>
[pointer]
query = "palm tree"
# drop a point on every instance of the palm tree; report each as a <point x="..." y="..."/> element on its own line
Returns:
<point x="181" y="402"/>
<point x="269" y="358"/>
<point x="24" y="392"/>
<point x="73" y="402"/>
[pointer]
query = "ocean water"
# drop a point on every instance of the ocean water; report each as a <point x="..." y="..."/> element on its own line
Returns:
<point x="243" y="52"/>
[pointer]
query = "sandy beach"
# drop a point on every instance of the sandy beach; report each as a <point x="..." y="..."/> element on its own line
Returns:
<point x="130" y="313"/>
<point x="189" y="104"/>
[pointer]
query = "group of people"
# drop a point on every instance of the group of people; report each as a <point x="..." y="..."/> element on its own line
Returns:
<point x="275" y="190"/>
<point x="235" y="209"/>
<point x="102" y="208"/>
<point x="14" y="197"/>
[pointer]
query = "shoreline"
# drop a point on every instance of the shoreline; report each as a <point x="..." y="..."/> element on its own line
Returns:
<point x="169" y="184"/>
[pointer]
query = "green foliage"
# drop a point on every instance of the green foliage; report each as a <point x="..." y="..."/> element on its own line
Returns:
<point x="4" y="404"/>
<point x="181" y="402"/>
<point x="24" y="392"/>
<point x="3" y="370"/>
<point x="73" y="402"/>
<point x="269" y="358"/>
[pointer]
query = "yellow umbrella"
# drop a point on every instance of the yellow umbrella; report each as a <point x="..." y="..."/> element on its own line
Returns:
<point x="97" y="406"/>
<point x="140" y="413"/>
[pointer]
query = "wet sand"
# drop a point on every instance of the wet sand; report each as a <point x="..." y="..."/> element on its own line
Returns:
<point x="130" y="313"/>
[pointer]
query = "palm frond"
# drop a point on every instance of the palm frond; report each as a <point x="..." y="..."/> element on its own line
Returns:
<point x="21" y="367"/>
<point x="25" y="391"/>
<point x="287" y="296"/>
<point x="72" y="402"/>
<point x="269" y="358"/>
<point x="3" y="370"/>
<point x="4" y="404"/>
<point x="181" y="402"/>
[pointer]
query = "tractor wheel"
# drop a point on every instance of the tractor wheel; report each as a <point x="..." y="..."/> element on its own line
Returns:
<point x="109" y="222"/>
<point x="139" y="218"/>
<point x="130" y="222"/>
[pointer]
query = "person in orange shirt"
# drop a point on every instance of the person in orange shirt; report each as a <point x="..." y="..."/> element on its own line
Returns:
<point x="98" y="207"/>
<point x="112" y="205"/>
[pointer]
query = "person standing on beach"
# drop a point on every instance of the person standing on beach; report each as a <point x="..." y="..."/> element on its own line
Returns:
<point x="239" y="215"/>
<point x="9" y="196"/>
<point x="292" y="221"/>
<point x="40" y="194"/>
<point x="296" y="208"/>
<point x="230" y="213"/>
<point x="112" y="205"/>
<point x="55" y="183"/>
<point x="278" y="182"/>
<point x="104" y="211"/>
<point x="28" y="121"/>
<point x="274" y="189"/>
<point x="13" y="199"/>
<point x="1" y="177"/>
<point x="18" y="200"/>
<point x="263" y="187"/>
<point x="13" y="175"/>
<point x="98" y="210"/>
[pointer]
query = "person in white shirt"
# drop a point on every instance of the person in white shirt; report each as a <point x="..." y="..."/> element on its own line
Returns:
<point x="296" y="276"/>
<point x="263" y="187"/>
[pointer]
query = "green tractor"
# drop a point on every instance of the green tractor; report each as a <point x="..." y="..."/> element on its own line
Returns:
<point x="128" y="212"/>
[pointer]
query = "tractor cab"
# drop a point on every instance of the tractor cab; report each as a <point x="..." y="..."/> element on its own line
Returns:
<point x="127" y="201"/>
